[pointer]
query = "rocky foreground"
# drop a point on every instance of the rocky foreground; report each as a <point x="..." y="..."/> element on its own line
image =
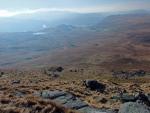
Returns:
<point x="26" y="92"/>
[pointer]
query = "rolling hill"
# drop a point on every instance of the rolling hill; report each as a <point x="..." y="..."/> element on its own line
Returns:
<point x="116" y="42"/>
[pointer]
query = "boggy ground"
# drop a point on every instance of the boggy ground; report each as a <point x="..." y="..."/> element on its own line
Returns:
<point x="18" y="91"/>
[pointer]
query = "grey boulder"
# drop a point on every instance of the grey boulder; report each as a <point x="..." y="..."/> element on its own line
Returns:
<point x="94" y="85"/>
<point x="133" y="107"/>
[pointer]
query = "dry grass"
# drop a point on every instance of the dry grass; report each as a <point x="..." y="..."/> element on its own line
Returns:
<point x="32" y="82"/>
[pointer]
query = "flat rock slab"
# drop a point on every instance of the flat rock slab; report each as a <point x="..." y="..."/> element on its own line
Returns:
<point x="89" y="109"/>
<point x="52" y="94"/>
<point x="75" y="104"/>
<point x="68" y="100"/>
<point x="64" y="99"/>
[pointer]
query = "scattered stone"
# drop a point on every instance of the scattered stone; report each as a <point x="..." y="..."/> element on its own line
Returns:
<point x="126" y="74"/>
<point x="52" y="94"/>
<point x="124" y="98"/>
<point x="1" y="74"/>
<point x="2" y="88"/>
<point x="75" y="104"/>
<point x="20" y="94"/>
<point x="127" y="98"/>
<point x="48" y="110"/>
<point x="133" y="107"/>
<point x="15" y="81"/>
<point x="94" y="85"/>
<point x="103" y="100"/>
<point x="54" y="71"/>
<point x="142" y="98"/>
<point x="59" y="69"/>
<point x="28" y="104"/>
<point x="76" y="70"/>
<point x="37" y="108"/>
<point x="5" y="101"/>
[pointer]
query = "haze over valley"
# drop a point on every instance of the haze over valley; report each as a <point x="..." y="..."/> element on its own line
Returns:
<point x="23" y="47"/>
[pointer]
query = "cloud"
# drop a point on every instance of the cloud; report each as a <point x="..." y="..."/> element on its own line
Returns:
<point x="99" y="8"/>
<point x="7" y="13"/>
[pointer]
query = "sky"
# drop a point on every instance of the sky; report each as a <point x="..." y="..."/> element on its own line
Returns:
<point x="10" y="8"/>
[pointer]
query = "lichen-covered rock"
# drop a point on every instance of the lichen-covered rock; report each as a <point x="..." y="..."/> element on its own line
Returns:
<point x="133" y="107"/>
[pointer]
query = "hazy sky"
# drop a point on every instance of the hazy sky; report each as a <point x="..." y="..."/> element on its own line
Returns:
<point x="10" y="8"/>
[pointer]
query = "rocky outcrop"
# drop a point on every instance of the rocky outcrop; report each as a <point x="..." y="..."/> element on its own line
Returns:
<point x="68" y="100"/>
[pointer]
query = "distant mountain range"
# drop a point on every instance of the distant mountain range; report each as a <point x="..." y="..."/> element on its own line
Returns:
<point x="40" y="21"/>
